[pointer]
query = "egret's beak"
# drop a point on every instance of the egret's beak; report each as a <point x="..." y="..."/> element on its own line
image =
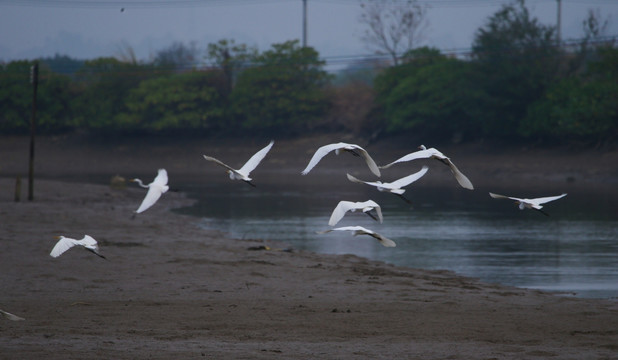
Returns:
<point x="57" y="237"/>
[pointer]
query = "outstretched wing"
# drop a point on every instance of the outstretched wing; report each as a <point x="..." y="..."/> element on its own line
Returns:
<point x="91" y="245"/>
<point x="459" y="176"/>
<point x="340" y="211"/>
<point x="372" y="183"/>
<point x="10" y="316"/>
<point x="255" y="160"/>
<point x="421" y="154"/>
<point x="383" y="240"/>
<point x="375" y="206"/>
<point x="353" y="179"/>
<point x="372" y="164"/>
<point x="88" y="241"/>
<point x="544" y="200"/>
<point x="161" y="178"/>
<point x="348" y="228"/>
<point x="397" y="184"/>
<point x="219" y="162"/>
<point x="62" y="245"/>
<point x="153" y="194"/>
<point x="498" y="196"/>
<point x="319" y="154"/>
<point x="359" y="230"/>
<point x="344" y="228"/>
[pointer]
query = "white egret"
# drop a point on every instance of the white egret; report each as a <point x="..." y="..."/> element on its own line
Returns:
<point x="345" y="206"/>
<point x="351" y="148"/>
<point x="359" y="230"/>
<point x="65" y="243"/>
<point x="396" y="186"/>
<point x="433" y="153"/>
<point x="10" y="316"/>
<point x="155" y="189"/>
<point x="244" y="172"/>
<point x="530" y="203"/>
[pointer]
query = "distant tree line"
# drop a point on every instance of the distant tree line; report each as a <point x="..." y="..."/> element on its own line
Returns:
<point x="517" y="84"/>
<point x="281" y="89"/>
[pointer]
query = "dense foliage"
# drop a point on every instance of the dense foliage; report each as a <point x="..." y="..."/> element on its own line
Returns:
<point x="430" y="93"/>
<point x="283" y="91"/>
<point x="516" y="60"/>
<point x="54" y="99"/>
<point x="517" y="84"/>
<point x="579" y="107"/>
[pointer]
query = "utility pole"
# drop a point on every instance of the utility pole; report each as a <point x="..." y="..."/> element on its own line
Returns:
<point x="34" y="79"/>
<point x="304" y="23"/>
<point x="558" y="22"/>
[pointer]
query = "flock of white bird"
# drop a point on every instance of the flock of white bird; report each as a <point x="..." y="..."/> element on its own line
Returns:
<point x="159" y="186"/>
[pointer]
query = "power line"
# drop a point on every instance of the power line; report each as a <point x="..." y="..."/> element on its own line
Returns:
<point x="132" y="3"/>
<point x="206" y="3"/>
<point x="340" y="61"/>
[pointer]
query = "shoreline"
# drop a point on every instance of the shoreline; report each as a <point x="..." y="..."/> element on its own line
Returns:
<point x="486" y="165"/>
<point x="170" y="289"/>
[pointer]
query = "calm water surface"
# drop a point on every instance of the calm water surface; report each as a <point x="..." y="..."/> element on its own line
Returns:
<point x="574" y="251"/>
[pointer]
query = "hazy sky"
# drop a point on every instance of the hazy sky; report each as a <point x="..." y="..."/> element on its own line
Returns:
<point x="87" y="29"/>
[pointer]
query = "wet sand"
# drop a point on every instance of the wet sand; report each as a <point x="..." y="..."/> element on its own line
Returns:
<point x="171" y="290"/>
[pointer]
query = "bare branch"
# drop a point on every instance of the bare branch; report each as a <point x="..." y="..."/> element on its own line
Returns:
<point x="394" y="26"/>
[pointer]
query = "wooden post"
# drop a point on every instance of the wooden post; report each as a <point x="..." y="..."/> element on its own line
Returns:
<point x="34" y="78"/>
<point x="18" y="188"/>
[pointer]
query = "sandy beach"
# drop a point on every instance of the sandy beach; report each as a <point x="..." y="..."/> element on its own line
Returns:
<point x="172" y="290"/>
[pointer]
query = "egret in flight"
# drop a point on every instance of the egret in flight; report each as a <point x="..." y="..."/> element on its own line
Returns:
<point x="394" y="187"/>
<point x="433" y="153"/>
<point x="351" y="148"/>
<point x="345" y="206"/>
<point x="359" y="230"/>
<point x="65" y="243"/>
<point x="244" y="172"/>
<point x="530" y="203"/>
<point x="155" y="189"/>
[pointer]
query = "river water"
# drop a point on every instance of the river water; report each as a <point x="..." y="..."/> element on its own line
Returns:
<point x="574" y="251"/>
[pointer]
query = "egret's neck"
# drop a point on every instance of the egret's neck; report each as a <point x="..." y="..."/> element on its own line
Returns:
<point x="140" y="183"/>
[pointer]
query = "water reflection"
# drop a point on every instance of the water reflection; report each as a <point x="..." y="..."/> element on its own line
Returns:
<point x="573" y="251"/>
